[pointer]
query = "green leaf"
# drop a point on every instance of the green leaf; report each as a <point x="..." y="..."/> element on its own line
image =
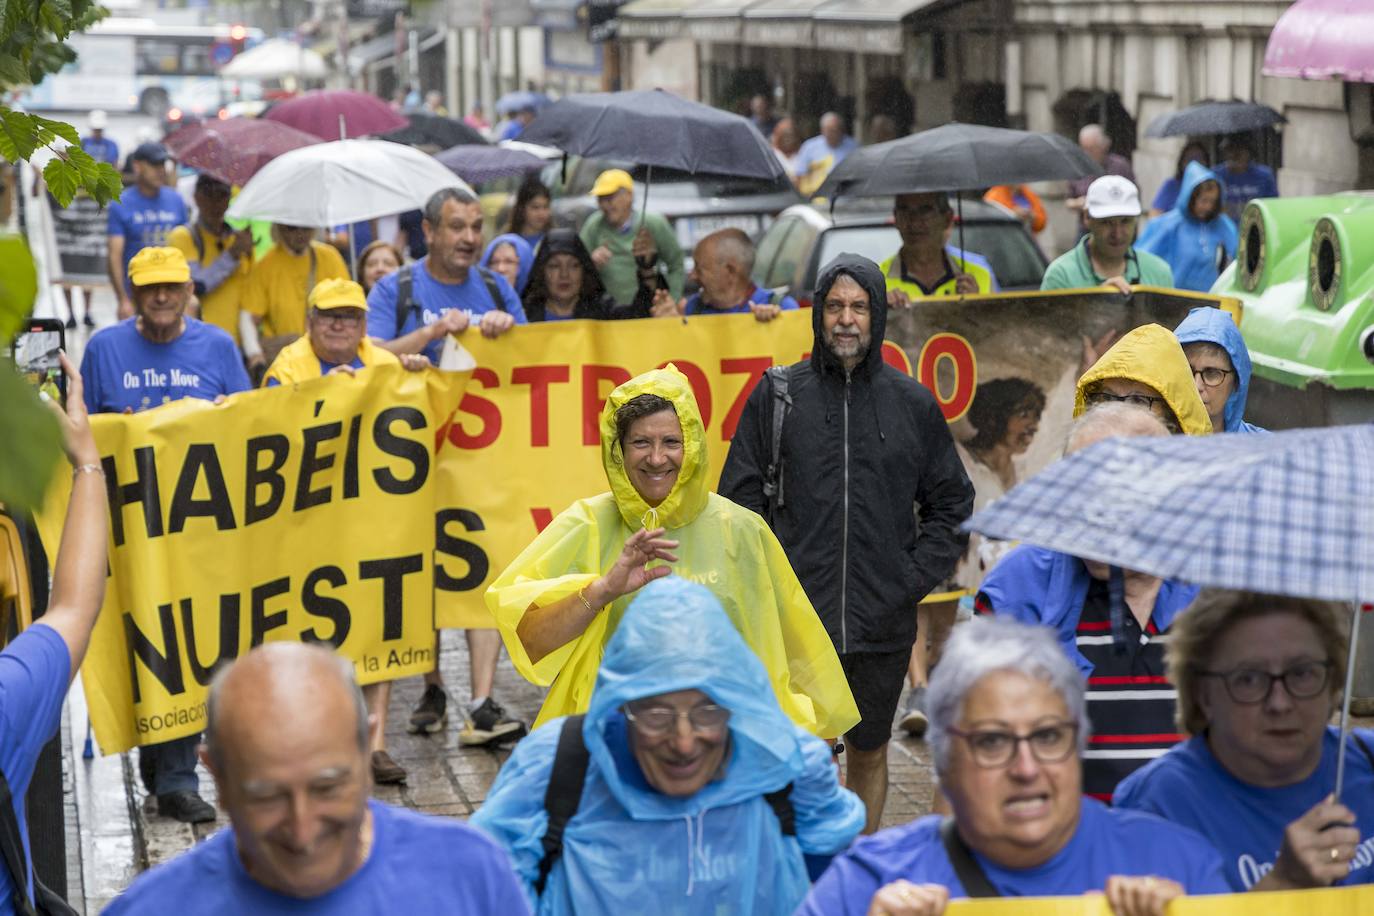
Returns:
<point x="18" y="286"/>
<point x="16" y="135"/>
<point x="14" y="68"/>
<point x="108" y="187"/>
<point x="60" y="128"/>
<point x="85" y="166"/>
<point x="63" y="179"/>
<point x="32" y="444"/>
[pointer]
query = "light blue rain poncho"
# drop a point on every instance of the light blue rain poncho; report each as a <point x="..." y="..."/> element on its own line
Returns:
<point x="632" y="849"/>
<point x="1187" y="243"/>
<point x="523" y="251"/>
<point x="1215" y="326"/>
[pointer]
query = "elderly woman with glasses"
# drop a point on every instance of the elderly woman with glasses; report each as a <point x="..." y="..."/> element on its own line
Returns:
<point x="1258" y="678"/>
<point x="1146" y="368"/>
<point x="1007" y="728"/>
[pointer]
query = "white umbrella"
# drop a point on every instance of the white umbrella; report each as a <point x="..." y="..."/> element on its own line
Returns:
<point x="274" y="59"/>
<point x="343" y="181"/>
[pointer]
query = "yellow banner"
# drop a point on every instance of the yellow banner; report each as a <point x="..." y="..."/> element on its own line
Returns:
<point x="529" y="425"/>
<point x="1342" y="901"/>
<point x="301" y="513"/>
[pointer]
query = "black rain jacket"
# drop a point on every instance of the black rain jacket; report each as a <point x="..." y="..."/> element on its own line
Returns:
<point x="863" y="454"/>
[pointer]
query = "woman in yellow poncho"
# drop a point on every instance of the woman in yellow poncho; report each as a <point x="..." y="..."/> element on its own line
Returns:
<point x="559" y="602"/>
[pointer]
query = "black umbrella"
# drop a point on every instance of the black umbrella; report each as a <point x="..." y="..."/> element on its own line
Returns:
<point x="1207" y="118"/>
<point x="652" y="127"/>
<point x="956" y="157"/>
<point x="435" y="130"/>
<point x="478" y="164"/>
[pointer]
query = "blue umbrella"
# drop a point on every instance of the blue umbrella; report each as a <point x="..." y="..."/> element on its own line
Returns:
<point x="1284" y="514"/>
<point x="521" y="101"/>
<point x="478" y="164"/>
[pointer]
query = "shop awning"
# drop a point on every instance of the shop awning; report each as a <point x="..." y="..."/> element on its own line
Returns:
<point x="781" y="23"/>
<point x="868" y="26"/>
<point x="652" y="19"/>
<point x="559" y="15"/>
<point x="1323" y="39"/>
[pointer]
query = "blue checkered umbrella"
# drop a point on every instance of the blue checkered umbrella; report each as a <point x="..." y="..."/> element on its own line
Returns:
<point x="1287" y="514"/>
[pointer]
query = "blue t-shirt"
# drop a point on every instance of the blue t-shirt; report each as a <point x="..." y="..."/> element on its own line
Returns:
<point x="1244" y="822"/>
<point x="434" y="299"/>
<point x="122" y="368"/>
<point x="35" y="669"/>
<point x="759" y="296"/>
<point x="1167" y="195"/>
<point x="325" y="368"/>
<point x="419" y="865"/>
<point x="1242" y="187"/>
<point x="816" y="149"/>
<point x="102" y="150"/>
<point x="1107" y="842"/>
<point x="145" y="221"/>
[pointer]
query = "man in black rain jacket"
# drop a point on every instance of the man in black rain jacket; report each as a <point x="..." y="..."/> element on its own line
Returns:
<point x="864" y="450"/>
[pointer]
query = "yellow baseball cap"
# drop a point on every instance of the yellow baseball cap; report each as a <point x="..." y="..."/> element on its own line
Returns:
<point x="158" y="265"/>
<point x="612" y="180"/>
<point x="337" y="294"/>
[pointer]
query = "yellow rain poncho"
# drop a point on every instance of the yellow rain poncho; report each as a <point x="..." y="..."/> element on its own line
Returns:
<point x="1151" y="355"/>
<point x="723" y="546"/>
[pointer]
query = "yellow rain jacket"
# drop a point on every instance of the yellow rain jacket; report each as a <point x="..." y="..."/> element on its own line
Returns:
<point x="1150" y="354"/>
<point x="723" y="546"/>
<point x="297" y="361"/>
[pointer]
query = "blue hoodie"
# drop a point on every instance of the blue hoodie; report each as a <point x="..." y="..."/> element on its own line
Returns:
<point x="523" y="250"/>
<point x="1188" y="244"/>
<point x="633" y="849"/>
<point x="1215" y="326"/>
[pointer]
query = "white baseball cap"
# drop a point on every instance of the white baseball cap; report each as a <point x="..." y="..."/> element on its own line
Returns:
<point x="1113" y="195"/>
<point x="99" y="120"/>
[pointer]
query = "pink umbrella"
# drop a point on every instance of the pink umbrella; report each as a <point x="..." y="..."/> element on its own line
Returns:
<point x="234" y="149"/>
<point x="1323" y="39"/>
<point x="319" y="113"/>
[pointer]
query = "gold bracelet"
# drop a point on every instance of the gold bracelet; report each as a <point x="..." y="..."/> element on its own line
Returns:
<point x="88" y="469"/>
<point x="585" y="602"/>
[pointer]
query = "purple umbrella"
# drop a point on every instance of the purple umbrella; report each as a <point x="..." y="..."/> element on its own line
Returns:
<point x="325" y="112"/>
<point x="478" y="164"/>
<point x="234" y="149"/>
<point x="1323" y="39"/>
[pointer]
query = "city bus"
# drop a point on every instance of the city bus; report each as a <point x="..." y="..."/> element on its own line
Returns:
<point x="136" y="65"/>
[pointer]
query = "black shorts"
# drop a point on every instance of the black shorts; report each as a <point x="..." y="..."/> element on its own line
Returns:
<point x="875" y="679"/>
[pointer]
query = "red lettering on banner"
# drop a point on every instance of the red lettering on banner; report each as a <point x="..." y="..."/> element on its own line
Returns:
<point x="896" y="357"/>
<point x="752" y="366"/>
<point x="539" y="378"/>
<point x="482" y="409"/>
<point x="542" y="518"/>
<point x="593" y="400"/>
<point x="701" y="387"/>
<point x="959" y="352"/>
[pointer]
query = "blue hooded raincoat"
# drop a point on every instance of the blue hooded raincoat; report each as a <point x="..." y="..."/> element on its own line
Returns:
<point x="523" y="250"/>
<point x="1215" y="326"/>
<point x="632" y="849"/>
<point x="1187" y="243"/>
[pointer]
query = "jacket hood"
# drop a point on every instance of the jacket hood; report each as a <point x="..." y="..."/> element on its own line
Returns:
<point x="691" y="489"/>
<point x="523" y="251"/>
<point x="1153" y="356"/>
<point x="1215" y="326"/>
<point x="868" y="275"/>
<point x="676" y="636"/>
<point x="1195" y="174"/>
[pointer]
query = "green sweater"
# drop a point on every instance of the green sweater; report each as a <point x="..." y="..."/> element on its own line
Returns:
<point x="619" y="273"/>
<point x="1074" y="270"/>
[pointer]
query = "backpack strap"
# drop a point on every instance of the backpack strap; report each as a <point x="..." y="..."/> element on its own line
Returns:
<point x="971" y="876"/>
<point x="12" y="845"/>
<point x="781" y="803"/>
<point x="782" y="402"/>
<point x="493" y="289"/>
<point x="563" y="794"/>
<point x="405" y="297"/>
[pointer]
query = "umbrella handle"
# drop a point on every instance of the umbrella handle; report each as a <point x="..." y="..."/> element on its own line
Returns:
<point x="1345" y="700"/>
<point x="644" y="204"/>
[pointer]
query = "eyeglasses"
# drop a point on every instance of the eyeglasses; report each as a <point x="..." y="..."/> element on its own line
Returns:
<point x="1212" y="376"/>
<point x="348" y="319"/>
<point x="708" y="720"/>
<point x="923" y="212"/>
<point x="860" y="309"/>
<point x="1249" y="685"/>
<point x="1048" y="744"/>
<point x="1136" y="400"/>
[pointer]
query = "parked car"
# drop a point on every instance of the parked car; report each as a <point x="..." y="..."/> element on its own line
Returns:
<point x="804" y="238"/>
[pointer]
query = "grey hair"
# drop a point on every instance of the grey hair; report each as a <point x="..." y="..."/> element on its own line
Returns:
<point x="341" y="666"/>
<point x="735" y="250"/>
<point x="434" y="207"/>
<point x="987" y="645"/>
<point x="1113" y="418"/>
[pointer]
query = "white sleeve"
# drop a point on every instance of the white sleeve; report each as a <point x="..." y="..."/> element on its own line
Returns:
<point x="248" y="335"/>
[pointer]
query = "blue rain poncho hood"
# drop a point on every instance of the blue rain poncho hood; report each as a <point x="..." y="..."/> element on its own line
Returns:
<point x="1188" y="244"/>
<point x="718" y="850"/>
<point x="1215" y="326"/>
<point x="523" y="251"/>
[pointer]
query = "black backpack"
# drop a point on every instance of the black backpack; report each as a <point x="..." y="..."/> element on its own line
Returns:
<point x="564" y="794"/>
<point x="406" y="301"/>
<point x="773" y="495"/>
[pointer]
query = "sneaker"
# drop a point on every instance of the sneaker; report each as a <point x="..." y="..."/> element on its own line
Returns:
<point x="489" y="723"/>
<point x="71" y="323"/>
<point x="914" y="720"/>
<point x="88" y="321"/>
<point x="187" y="807"/>
<point x="430" y="715"/>
<point x="385" y="771"/>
